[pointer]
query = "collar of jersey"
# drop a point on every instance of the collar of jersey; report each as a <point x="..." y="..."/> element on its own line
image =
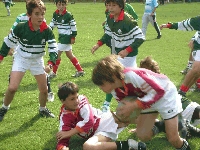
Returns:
<point x="64" y="12"/>
<point x="121" y="16"/>
<point x="43" y="26"/>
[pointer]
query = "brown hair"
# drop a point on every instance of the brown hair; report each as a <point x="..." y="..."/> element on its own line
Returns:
<point x="106" y="69"/>
<point x="150" y="64"/>
<point x="34" y="4"/>
<point x="66" y="89"/>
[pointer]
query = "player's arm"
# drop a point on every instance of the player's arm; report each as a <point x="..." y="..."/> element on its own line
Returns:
<point x="9" y="42"/>
<point x="185" y="25"/>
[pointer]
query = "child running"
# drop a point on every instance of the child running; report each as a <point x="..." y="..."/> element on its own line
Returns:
<point x="156" y="94"/>
<point x="77" y="116"/>
<point x="31" y="38"/>
<point x="67" y="31"/>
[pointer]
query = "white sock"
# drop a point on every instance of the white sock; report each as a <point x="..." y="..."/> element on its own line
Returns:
<point x="133" y="144"/>
<point x="42" y="108"/>
<point x="6" y="107"/>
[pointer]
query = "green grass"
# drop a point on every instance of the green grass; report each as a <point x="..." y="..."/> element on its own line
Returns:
<point x="23" y="129"/>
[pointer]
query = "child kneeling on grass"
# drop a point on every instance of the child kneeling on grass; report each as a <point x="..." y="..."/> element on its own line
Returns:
<point x="156" y="94"/>
<point x="77" y="116"/>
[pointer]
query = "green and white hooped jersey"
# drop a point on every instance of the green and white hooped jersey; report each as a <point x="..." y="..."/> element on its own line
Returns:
<point x="190" y="24"/>
<point x="123" y="33"/>
<point x="66" y="25"/>
<point x="30" y="44"/>
<point x="21" y="18"/>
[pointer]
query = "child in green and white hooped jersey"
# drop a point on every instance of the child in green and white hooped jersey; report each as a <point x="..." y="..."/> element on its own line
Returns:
<point x="124" y="35"/>
<point x="31" y="38"/>
<point x="24" y="18"/>
<point x="8" y="3"/>
<point x="65" y="22"/>
<point x="192" y="76"/>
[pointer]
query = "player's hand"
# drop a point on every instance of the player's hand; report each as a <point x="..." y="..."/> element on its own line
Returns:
<point x="11" y="52"/>
<point x="191" y="44"/>
<point x="94" y="48"/>
<point x="163" y="26"/>
<point x="47" y="69"/>
<point x="123" y="53"/>
<point x="62" y="135"/>
<point x="72" y="41"/>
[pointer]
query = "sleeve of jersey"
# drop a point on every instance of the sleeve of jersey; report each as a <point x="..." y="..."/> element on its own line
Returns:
<point x="52" y="23"/>
<point x="88" y="119"/>
<point x="73" y="27"/>
<point x="153" y="90"/>
<point x="15" y="23"/>
<point x="52" y="46"/>
<point x="9" y="42"/>
<point x="187" y="25"/>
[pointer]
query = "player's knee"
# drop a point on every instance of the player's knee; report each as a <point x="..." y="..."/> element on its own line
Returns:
<point x="143" y="136"/>
<point x="12" y="89"/>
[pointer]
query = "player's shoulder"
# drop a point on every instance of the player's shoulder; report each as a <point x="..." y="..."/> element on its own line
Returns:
<point x="22" y="15"/>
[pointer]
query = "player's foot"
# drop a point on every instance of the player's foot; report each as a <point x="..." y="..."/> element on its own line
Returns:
<point x="185" y="71"/>
<point x="192" y="131"/>
<point x="78" y="74"/>
<point x="159" y="36"/>
<point x="46" y="113"/>
<point x="3" y="111"/>
<point x="182" y="93"/>
<point x="52" y="75"/>
<point x="50" y="97"/>
<point x="136" y="145"/>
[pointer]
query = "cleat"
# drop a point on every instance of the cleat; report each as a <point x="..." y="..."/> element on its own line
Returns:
<point x="52" y="75"/>
<point x="46" y="113"/>
<point x="185" y="71"/>
<point x="132" y="144"/>
<point x="50" y="97"/>
<point x="192" y="131"/>
<point x="183" y="94"/>
<point x="159" y="36"/>
<point x="78" y="74"/>
<point x="3" y="111"/>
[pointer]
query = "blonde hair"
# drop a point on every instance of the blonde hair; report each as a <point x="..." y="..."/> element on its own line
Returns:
<point x="150" y="64"/>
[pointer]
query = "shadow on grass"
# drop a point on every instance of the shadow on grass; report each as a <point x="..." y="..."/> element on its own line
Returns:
<point x="22" y="128"/>
<point x="76" y="143"/>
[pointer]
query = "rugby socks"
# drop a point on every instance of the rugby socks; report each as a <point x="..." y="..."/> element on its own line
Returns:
<point x="155" y="130"/>
<point x="55" y="67"/>
<point x="42" y="108"/>
<point x="198" y="83"/>
<point x="6" y="107"/>
<point x="183" y="90"/>
<point x="185" y="146"/>
<point x="48" y="85"/>
<point x="109" y="98"/>
<point x="76" y="64"/>
<point x="122" y="145"/>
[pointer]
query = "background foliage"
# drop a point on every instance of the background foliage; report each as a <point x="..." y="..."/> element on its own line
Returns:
<point x="23" y="129"/>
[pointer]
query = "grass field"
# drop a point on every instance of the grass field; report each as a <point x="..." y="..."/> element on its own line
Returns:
<point x="23" y="129"/>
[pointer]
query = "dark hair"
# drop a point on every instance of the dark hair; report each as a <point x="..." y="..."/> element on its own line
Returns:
<point x="34" y="4"/>
<point x="61" y="1"/>
<point x="66" y="89"/>
<point x="118" y="2"/>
